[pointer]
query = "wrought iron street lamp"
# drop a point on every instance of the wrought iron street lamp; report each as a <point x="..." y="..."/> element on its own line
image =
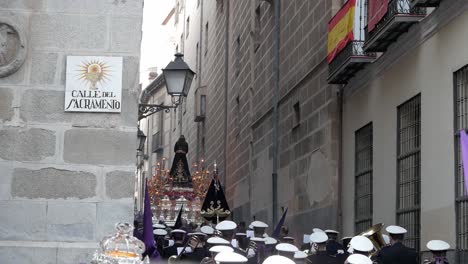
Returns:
<point x="178" y="77"/>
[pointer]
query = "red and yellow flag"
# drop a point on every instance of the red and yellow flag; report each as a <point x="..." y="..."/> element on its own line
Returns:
<point x="341" y="29"/>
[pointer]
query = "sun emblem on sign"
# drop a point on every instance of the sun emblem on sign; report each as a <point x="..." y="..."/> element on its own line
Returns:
<point x="93" y="73"/>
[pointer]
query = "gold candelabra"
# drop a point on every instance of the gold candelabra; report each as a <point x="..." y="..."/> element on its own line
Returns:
<point x="159" y="182"/>
<point x="201" y="179"/>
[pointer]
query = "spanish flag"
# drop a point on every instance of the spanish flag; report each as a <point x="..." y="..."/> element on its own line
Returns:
<point x="341" y="29"/>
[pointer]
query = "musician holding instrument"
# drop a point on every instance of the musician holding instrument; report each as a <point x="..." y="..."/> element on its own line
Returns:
<point x="198" y="248"/>
<point x="397" y="253"/>
<point x="179" y="236"/>
<point x="438" y="249"/>
<point x="319" y="243"/>
<point x="333" y="246"/>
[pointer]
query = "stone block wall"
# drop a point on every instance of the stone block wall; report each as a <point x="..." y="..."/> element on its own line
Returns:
<point x="65" y="178"/>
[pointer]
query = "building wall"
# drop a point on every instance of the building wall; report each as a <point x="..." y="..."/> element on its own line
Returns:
<point x="66" y="178"/>
<point x="308" y="152"/>
<point x="431" y="52"/>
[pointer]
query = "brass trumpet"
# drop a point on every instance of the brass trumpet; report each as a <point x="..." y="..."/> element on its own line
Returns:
<point x="192" y="242"/>
<point x="374" y="234"/>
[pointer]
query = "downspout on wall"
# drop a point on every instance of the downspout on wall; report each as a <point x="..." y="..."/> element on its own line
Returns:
<point x="339" y="208"/>
<point x="226" y="88"/>
<point x="276" y="76"/>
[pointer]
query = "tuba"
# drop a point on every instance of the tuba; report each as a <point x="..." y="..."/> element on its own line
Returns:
<point x="191" y="242"/>
<point x="374" y="234"/>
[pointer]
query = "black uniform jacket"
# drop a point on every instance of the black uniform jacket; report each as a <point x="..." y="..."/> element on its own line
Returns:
<point x="172" y="250"/>
<point x="321" y="257"/>
<point x="397" y="254"/>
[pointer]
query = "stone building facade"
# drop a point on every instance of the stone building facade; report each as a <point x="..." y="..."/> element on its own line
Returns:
<point x="65" y="178"/>
<point x="230" y="45"/>
<point x="402" y="116"/>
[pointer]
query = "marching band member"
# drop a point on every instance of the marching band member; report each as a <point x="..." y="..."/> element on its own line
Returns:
<point x="208" y="230"/>
<point x="229" y="257"/>
<point x="438" y="249"/>
<point x="214" y="241"/>
<point x="286" y="250"/>
<point x="199" y="250"/>
<point x="242" y="241"/>
<point x="159" y="235"/>
<point x="333" y="246"/>
<point x="227" y="229"/>
<point x="178" y="235"/>
<point x="397" y="252"/>
<point x="358" y="259"/>
<point x="270" y="244"/>
<point x="319" y="240"/>
<point x="360" y="245"/>
<point x="300" y="257"/>
<point x="276" y="259"/>
<point x="259" y="228"/>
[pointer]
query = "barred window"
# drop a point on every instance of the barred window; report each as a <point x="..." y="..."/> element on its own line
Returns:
<point x="409" y="170"/>
<point x="461" y="122"/>
<point x="363" y="179"/>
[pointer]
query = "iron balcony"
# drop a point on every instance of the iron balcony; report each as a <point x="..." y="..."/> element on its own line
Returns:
<point x="399" y="18"/>
<point x="425" y="3"/>
<point x="349" y="61"/>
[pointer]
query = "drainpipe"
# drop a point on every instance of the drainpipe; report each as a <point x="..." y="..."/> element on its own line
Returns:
<point x="340" y="158"/>
<point x="199" y="64"/>
<point x="276" y="76"/>
<point x="226" y="84"/>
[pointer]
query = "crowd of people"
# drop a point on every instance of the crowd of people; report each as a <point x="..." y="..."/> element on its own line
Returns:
<point x="228" y="242"/>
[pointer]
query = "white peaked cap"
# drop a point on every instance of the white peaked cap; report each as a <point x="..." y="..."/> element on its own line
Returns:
<point x="318" y="237"/>
<point x="437" y="245"/>
<point x="315" y="230"/>
<point x="395" y="230"/>
<point x="344" y="238"/>
<point x="159" y="226"/>
<point x="178" y="231"/>
<point x="160" y="232"/>
<point x="207" y="230"/>
<point x="331" y="231"/>
<point x="226" y="225"/>
<point x="230" y="257"/>
<point x="386" y="239"/>
<point x="361" y="243"/>
<point x="358" y="259"/>
<point x="241" y="234"/>
<point x="259" y="224"/>
<point x="300" y="255"/>
<point x="250" y="226"/>
<point x="286" y="247"/>
<point x="277" y="259"/>
<point x="270" y="241"/>
<point x="257" y="239"/>
<point x="218" y="241"/>
<point x="218" y="249"/>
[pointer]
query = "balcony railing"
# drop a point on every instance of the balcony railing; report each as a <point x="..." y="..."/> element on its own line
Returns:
<point x="350" y="60"/>
<point x="425" y="3"/>
<point x="396" y="9"/>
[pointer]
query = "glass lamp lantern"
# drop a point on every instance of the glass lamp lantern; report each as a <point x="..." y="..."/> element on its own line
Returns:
<point x="120" y="248"/>
<point x="178" y="77"/>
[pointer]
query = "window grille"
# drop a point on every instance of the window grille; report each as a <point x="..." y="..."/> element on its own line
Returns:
<point x="409" y="170"/>
<point x="363" y="179"/>
<point x="461" y="197"/>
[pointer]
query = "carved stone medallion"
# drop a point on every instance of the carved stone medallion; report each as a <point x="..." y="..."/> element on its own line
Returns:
<point x="12" y="48"/>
